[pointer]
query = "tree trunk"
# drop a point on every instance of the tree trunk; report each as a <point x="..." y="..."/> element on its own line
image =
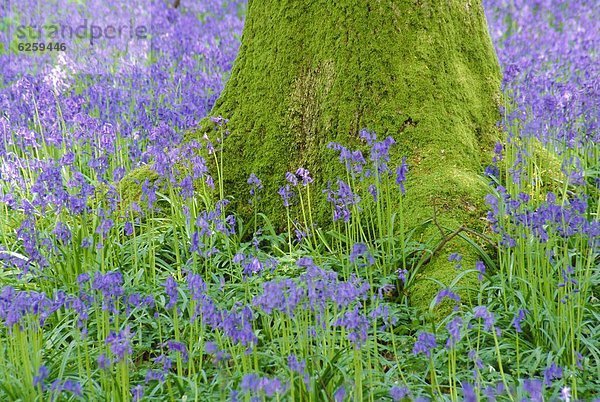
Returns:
<point x="311" y="72"/>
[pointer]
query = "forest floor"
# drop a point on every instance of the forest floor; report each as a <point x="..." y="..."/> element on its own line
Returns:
<point x="175" y="298"/>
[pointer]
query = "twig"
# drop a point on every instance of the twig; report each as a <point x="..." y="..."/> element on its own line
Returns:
<point x="436" y="222"/>
<point x="481" y="235"/>
<point x="446" y="238"/>
<point x="441" y="245"/>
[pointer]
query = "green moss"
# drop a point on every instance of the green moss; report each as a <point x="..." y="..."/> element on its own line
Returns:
<point x="309" y="73"/>
<point x="130" y="187"/>
<point x="545" y="169"/>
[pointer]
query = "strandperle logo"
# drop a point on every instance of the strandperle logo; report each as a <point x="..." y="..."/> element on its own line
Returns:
<point x="86" y="29"/>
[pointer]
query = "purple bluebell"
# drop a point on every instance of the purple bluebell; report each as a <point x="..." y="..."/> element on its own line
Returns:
<point x="368" y="136"/>
<point x="469" y="394"/>
<point x="446" y="293"/>
<point x="286" y="194"/>
<point x="165" y="361"/>
<point x="180" y="348"/>
<point x="103" y="361"/>
<point x="83" y="278"/>
<point x="128" y="228"/>
<point x="361" y="251"/>
<point x="110" y="286"/>
<point x="480" y="267"/>
<point x="299" y="367"/>
<point x="342" y="200"/>
<point x="356" y="325"/>
<point x="284" y="296"/>
<point x="534" y="388"/>
<point x="304" y="175"/>
<point x="483" y="313"/>
<point x="398" y="393"/>
<point x="237" y="325"/>
<point x="340" y="394"/>
<point x="187" y="187"/>
<point x="518" y="319"/>
<point x="62" y="232"/>
<point x="425" y="344"/>
<point x="291" y="178"/>
<point x="354" y="161"/>
<point x="41" y="376"/>
<point x="137" y="393"/>
<point x="380" y="154"/>
<point x="472" y="355"/>
<point x="454" y="330"/>
<point x="255" y="184"/>
<point x="402" y="275"/>
<point x="71" y="386"/>
<point x="155" y="375"/>
<point x="120" y="344"/>
<point x="401" y="173"/>
<point x="457" y="258"/>
<point x="171" y="291"/>
<point x="252" y="266"/>
<point x="553" y="372"/>
<point x="306" y="262"/>
<point x="252" y="383"/>
<point x="373" y="191"/>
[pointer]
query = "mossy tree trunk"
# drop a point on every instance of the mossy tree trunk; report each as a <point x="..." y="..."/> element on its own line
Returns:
<point x="311" y="72"/>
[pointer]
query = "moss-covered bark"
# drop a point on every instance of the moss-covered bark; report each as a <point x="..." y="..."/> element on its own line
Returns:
<point x="422" y="71"/>
<point x="311" y="72"/>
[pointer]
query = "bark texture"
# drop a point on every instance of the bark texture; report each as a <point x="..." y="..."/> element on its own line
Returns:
<point x="312" y="72"/>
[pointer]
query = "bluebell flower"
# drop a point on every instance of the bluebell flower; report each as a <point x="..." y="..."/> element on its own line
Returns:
<point x="457" y="258"/>
<point x="402" y="275"/>
<point x="120" y="344"/>
<point x="368" y="136"/>
<point x="252" y="266"/>
<point x="178" y="347"/>
<point x="401" y="173"/>
<point x="286" y="194"/>
<point x="380" y="154"/>
<point x="424" y="344"/>
<point x="340" y="394"/>
<point x="103" y="361"/>
<point x="155" y="375"/>
<point x="534" y="388"/>
<point x="565" y="394"/>
<point x="128" y="228"/>
<point x="40" y="378"/>
<point x="361" y="250"/>
<point x="62" y="233"/>
<point x="446" y="293"/>
<point x="357" y="326"/>
<point x="519" y="317"/>
<point x="399" y="393"/>
<point x="255" y="184"/>
<point x="71" y="386"/>
<point x="137" y="393"/>
<point x="171" y="291"/>
<point x="483" y="313"/>
<point x="299" y="367"/>
<point x="255" y="384"/>
<point x="187" y="187"/>
<point x="454" y="327"/>
<point x="553" y="372"/>
<point x="304" y="175"/>
<point x="480" y="267"/>
<point x="469" y="394"/>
